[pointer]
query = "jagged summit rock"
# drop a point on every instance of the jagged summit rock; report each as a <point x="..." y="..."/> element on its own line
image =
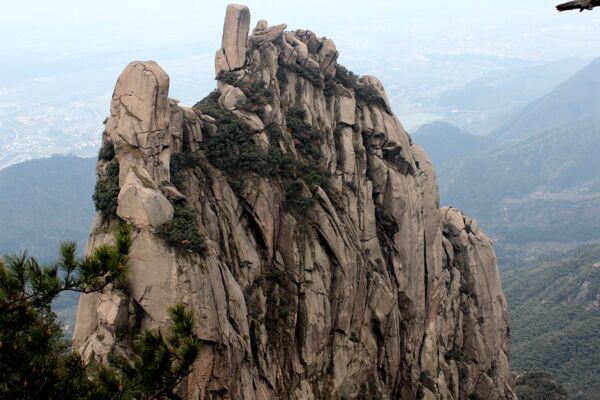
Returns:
<point x="232" y="54"/>
<point x="291" y="212"/>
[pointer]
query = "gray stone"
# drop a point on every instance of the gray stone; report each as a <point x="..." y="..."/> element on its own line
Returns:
<point x="360" y="289"/>
<point x="235" y="35"/>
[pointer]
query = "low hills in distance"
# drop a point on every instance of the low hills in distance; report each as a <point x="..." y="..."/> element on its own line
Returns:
<point x="536" y="181"/>
<point x="555" y="319"/>
<point x="444" y="142"/>
<point x="535" y="188"/>
<point x="45" y="201"/>
<point x="576" y="99"/>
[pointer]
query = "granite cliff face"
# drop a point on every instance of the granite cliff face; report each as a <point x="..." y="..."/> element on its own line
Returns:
<point x="315" y="255"/>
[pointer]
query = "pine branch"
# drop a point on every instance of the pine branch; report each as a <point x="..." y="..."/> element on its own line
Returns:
<point x="24" y="283"/>
<point x="578" y="5"/>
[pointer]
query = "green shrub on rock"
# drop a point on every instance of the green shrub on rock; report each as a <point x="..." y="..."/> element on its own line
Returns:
<point x="234" y="151"/>
<point x="307" y="136"/>
<point x="182" y="232"/>
<point x="345" y="77"/>
<point x="179" y="163"/>
<point x="227" y="77"/>
<point x="106" y="193"/>
<point x="107" y="152"/>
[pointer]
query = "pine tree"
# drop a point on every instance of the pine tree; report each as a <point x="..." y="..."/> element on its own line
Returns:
<point x="35" y="359"/>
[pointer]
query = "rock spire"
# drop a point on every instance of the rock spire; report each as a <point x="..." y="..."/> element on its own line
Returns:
<point x="290" y="210"/>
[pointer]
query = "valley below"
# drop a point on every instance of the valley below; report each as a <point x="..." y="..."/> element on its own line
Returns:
<point x="515" y="144"/>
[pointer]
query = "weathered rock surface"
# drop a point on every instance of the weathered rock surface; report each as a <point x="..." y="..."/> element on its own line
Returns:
<point x="357" y="286"/>
<point x="141" y="203"/>
<point x="232" y="54"/>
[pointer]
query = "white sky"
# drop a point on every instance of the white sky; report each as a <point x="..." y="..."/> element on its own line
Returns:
<point x="511" y="28"/>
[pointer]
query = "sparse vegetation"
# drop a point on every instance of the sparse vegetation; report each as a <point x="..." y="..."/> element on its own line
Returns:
<point x="455" y="355"/>
<point x="257" y="92"/>
<point x="234" y="152"/>
<point x="294" y="196"/>
<point x="554" y="327"/>
<point x="363" y="92"/>
<point x="282" y="77"/>
<point x="539" y="385"/>
<point x="369" y="95"/>
<point x="106" y="192"/>
<point x="359" y="152"/>
<point x="329" y="87"/>
<point x="180" y="162"/>
<point x="308" y="138"/>
<point x="228" y="77"/>
<point x="314" y="77"/>
<point x="232" y="149"/>
<point x="107" y="151"/>
<point x="345" y="77"/>
<point x="420" y="392"/>
<point x="36" y="361"/>
<point x="182" y="232"/>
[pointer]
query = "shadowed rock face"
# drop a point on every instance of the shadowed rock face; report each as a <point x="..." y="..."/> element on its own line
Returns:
<point x="356" y="285"/>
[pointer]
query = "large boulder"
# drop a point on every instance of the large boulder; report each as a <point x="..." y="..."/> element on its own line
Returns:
<point x="141" y="203"/>
<point x="330" y="270"/>
<point x="140" y="119"/>
<point x="232" y="54"/>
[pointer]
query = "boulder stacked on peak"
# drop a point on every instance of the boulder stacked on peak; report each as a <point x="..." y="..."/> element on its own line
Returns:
<point x="290" y="210"/>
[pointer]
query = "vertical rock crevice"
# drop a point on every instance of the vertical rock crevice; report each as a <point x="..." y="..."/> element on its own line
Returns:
<point x="328" y="269"/>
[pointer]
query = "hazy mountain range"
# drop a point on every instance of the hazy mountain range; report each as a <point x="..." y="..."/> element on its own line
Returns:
<point x="444" y="142"/>
<point x="536" y="179"/>
<point x="46" y="201"/>
<point x="555" y="318"/>
<point x="532" y="183"/>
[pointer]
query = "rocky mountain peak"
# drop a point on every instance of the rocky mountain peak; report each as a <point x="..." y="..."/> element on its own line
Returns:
<point x="291" y="212"/>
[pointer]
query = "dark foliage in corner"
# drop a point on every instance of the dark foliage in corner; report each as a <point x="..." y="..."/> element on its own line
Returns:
<point x="35" y="360"/>
<point x="539" y="385"/>
<point x="307" y="137"/>
<point x="106" y="192"/>
<point x="158" y="365"/>
<point x="182" y="232"/>
<point x="107" y="152"/>
<point x="179" y="163"/>
<point x="282" y="77"/>
<point x="228" y="77"/>
<point x="420" y="392"/>
<point x="363" y="92"/>
<point x="233" y="151"/>
<point x="345" y="77"/>
<point x="314" y="77"/>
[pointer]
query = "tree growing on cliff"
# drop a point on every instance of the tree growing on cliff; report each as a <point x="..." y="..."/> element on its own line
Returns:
<point x="35" y="359"/>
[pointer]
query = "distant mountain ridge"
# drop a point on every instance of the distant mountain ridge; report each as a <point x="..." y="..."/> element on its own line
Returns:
<point x="575" y="100"/>
<point x="445" y="142"/>
<point x="541" y="181"/>
<point x="45" y="201"/>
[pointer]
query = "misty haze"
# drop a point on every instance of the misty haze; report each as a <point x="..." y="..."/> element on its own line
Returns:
<point x="315" y="200"/>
